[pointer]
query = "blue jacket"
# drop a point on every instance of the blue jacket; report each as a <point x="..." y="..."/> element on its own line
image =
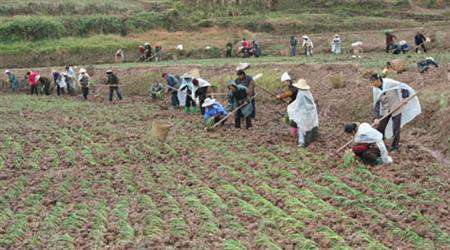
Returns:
<point x="215" y="110"/>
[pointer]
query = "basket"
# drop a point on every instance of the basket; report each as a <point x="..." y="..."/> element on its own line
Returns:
<point x="398" y="65"/>
<point x="161" y="129"/>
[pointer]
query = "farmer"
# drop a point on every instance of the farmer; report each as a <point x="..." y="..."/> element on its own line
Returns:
<point x="247" y="81"/>
<point x="307" y="46"/>
<point x="214" y="112"/>
<point x="12" y="80"/>
<point x="237" y="96"/>
<point x="357" y="49"/>
<point x="419" y="40"/>
<point x="292" y="94"/>
<point x="158" y="52"/>
<point x="33" y="81"/>
<point x="303" y="112"/>
<point x="336" y="44"/>
<point x="70" y="79"/>
<point x="388" y="95"/>
<point x="188" y="87"/>
<point x="293" y="45"/>
<point x="390" y="41"/>
<point x="256" y="48"/>
<point x="45" y="83"/>
<point x="119" y="56"/>
<point x="246" y="48"/>
<point x="84" y="80"/>
<point x="55" y="76"/>
<point x="202" y="87"/>
<point x="426" y="63"/>
<point x="401" y="48"/>
<point x="172" y="88"/>
<point x="141" y="51"/>
<point x="369" y="145"/>
<point x="113" y="82"/>
<point x="229" y="50"/>
<point x="147" y="51"/>
<point x="62" y="83"/>
<point x="156" y="91"/>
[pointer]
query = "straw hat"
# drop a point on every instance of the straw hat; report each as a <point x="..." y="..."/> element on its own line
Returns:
<point x="83" y="71"/>
<point x="7" y="71"/>
<point x="194" y="73"/>
<point x="336" y="35"/>
<point x="208" y="102"/>
<point x="242" y="66"/>
<point x="109" y="71"/>
<point x="285" y="77"/>
<point x="185" y="75"/>
<point x="301" y="84"/>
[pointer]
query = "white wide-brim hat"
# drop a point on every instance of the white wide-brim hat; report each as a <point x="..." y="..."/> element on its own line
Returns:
<point x="242" y="66"/>
<point x="301" y="84"/>
<point x="208" y="102"/>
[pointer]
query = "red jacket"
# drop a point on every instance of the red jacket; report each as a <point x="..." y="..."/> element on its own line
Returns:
<point x="246" y="44"/>
<point x="32" y="79"/>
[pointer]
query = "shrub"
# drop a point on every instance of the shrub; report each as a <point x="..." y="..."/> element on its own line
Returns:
<point x="31" y="28"/>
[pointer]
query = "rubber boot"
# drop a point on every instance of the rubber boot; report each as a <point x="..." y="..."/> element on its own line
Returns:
<point x="194" y="109"/>
<point x="186" y="110"/>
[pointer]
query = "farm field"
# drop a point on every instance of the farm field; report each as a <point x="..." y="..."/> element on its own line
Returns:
<point x="90" y="174"/>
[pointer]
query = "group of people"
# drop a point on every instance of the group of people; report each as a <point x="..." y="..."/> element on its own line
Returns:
<point x="394" y="105"/>
<point x="64" y="82"/>
<point x="147" y="53"/>
<point x="247" y="49"/>
<point x="402" y="46"/>
<point x="307" y="46"/>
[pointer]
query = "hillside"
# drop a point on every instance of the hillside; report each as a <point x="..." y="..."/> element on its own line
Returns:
<point x="38" y="32"/>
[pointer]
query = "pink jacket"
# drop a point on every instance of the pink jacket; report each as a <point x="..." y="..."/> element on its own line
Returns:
<point x="32" y="78"/>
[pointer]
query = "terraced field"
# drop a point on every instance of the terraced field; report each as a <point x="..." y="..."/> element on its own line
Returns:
<point x="90" y="175"/>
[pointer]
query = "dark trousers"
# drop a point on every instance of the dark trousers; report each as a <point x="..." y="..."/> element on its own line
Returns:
<point x="396" y="125"/>
<point x="34" y="89"/>
<point x="111" y="93"/>
<point x="174" y="99"/>
<point x="202" y="99"/>
<point x="47" y="89"/>
<point x="85" y="91"/>
<point x="228" y="55"/>
<point x="423" y="48"/>
<point x="238" y="117"/>
<point x="190" y="102"/>
<point x="58" y="90"/>
<point x="389" y="47"/>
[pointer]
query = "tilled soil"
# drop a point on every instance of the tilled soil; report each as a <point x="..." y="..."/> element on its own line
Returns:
<point x="89" y="176"/>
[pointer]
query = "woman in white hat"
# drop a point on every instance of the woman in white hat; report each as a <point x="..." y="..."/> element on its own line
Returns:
<point x="84" y="79"/>
<point x="303" y="112"/>
<point x="214" y="111"/>
<point x="307" y="46"/>
<point x="336" y="44"/>
<point x="291" y="93"/>
<point x="188" y="87"/>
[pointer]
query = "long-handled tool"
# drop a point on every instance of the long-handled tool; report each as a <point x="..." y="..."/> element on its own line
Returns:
<point x="384" y="117"/>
